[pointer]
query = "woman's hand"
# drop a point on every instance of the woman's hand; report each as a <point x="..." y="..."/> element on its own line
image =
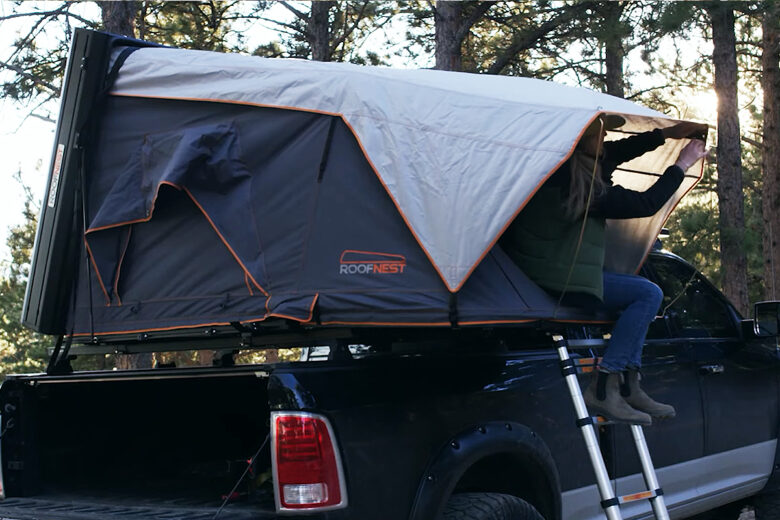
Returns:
<point x="692" y="152"/>
<point x="684" y="129"/>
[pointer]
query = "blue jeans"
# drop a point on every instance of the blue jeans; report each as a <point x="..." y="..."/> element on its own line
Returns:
<point x="639" y="299"/>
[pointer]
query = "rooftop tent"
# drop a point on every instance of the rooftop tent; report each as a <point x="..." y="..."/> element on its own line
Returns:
<point x="227" y="188"/>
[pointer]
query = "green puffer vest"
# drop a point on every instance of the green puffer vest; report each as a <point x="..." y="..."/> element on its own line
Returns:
<point x="542" y="241"/>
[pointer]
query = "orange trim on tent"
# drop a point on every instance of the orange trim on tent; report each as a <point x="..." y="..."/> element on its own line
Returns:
<point x="160" y="329"/>
<point x="354" y="134"/>
<point x="97" y="273"/>
<point x="306" y="320"/>
<point x="399" y="324"/>
<point x="224" y="241"/>
<point x="526" y="201"/>
<point x="395" y="203"/>
<point x="203" y="211"/>
<point x="229" y="102"/>
<point x="248" y="286"/>
<point x="139" y="220"/>
<point x="401" y="258"/>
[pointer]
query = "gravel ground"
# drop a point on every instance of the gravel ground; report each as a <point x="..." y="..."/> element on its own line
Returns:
<point x="747" y="514"/>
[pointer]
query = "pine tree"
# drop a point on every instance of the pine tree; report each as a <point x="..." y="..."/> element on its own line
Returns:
<point x="36" y="69"/>
<point x="453" y="22"/>
<point x="327" y="31"/>
<point x="21" y="350"/>
<point x="206" y="25"/>
<point x="730" y="194"/>
<point x="771" y="148"/>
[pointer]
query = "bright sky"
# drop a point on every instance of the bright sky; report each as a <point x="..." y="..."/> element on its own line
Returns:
<point x="26" y="142"/>
<point x="25" y="145"/>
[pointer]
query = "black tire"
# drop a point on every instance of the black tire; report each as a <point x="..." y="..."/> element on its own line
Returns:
<point x="489" y="506"/>
<point x="767" y="506"/>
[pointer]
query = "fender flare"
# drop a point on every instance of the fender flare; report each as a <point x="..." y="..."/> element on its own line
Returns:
<point x="462" y="451"/>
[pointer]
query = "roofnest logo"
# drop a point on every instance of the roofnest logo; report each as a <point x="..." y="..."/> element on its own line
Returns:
<point x="369" y="263"/>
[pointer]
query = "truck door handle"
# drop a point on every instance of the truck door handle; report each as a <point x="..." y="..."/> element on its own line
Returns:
<point x="711" y="369"/>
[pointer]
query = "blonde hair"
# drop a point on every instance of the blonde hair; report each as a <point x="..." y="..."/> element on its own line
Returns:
<point x="586" y="184"/>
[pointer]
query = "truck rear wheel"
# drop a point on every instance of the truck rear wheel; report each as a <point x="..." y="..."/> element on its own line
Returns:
<point x="489" y="506"/>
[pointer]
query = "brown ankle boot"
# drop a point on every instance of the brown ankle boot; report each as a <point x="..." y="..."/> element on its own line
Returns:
<point x="603" y="398"/>
<point x="637" y="398"/>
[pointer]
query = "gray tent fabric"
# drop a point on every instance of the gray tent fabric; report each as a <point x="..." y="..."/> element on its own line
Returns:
<point x="205" y="214"/>
<point x="223" y="206"/>
<point x="444" y="145"/>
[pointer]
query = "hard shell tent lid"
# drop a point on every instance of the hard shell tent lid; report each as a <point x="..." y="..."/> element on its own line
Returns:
<point x="226" y="189"/>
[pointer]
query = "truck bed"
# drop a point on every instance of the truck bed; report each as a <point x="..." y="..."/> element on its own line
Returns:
<point x="146" y="444"/>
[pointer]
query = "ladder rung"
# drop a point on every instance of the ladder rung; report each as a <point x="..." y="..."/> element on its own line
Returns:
<point x="594" y="420"/>
<point x="603" y="421"/>
<point x="642" y="495"/>
<point x="586" y="365"/>
<point x="586" y="423"/>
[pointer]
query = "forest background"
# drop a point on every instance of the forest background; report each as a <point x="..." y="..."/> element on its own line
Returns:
<point x="715" y="62"/>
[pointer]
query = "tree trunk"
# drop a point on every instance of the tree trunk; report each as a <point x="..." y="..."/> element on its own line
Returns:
<point x="119" y="17"/>
<point x="613" y="49"/>
<point x="770" y="165"/>
<point x="319" y="30"/>
<point x="130" y="361"/>
<point x="447" y="18"/>
<point x="206" y="357"/>
<point x="730" y="197"/>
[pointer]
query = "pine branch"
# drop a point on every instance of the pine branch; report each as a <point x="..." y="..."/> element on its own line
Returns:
<point x="47" y="119"/>
<point x="347" y="32"/>
<point x="466" y="25"/>
<point x="650" y="89"/>
<point x="55" y="12"/>
<point x="752" y="142"/>
<point x="529" y="39"/>
<point x="301" y="15"/>
<point x="291" y="27"/>
<point x="54" y="90"/>
<point x="63" y="10"/>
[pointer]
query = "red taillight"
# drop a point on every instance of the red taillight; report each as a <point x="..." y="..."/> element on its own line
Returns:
<point x="307" y="467"/>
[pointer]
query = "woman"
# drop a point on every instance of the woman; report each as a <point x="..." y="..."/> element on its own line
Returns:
<point x="558" y="240"/>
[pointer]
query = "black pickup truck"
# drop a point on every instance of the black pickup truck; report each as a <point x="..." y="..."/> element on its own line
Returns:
<point x="399" y="424"/>
<point x="377" y="422"/>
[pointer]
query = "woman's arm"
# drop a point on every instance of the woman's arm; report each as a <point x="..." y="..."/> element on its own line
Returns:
<point x="623" y="150"/>
<point x="621" y="203"/>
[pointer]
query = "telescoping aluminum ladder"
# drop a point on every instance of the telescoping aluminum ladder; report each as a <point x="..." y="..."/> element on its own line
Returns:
<point x="609" y="501"/>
